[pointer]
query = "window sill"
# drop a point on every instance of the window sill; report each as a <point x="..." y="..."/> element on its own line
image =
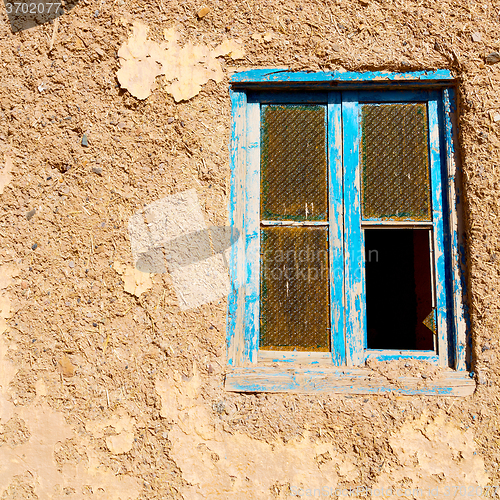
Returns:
<point x="345" y="381"/>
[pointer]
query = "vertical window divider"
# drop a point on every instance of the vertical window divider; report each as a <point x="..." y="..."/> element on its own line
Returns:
<point x="355" y="297"/>
<point x="433" y="282"/>
<point x="236" y="300"/>
<point x="438" y="231"/>
<point x="454" y="208"/>
<point x="252" y="233"/>
<point x="336" y="228"/>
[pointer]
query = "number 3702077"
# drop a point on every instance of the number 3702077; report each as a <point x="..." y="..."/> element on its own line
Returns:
<point x="17" y="8"/>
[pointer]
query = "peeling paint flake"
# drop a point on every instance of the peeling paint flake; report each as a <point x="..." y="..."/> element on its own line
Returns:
<point x="186" y="68"/>
<point x="135" y="282"/>
<point x="66" y="367"/>
<point x="121" y="443"/>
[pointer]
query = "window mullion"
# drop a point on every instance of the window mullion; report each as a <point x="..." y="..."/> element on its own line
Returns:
<point x="353" y="237"/>
<point x="237" y="274"/>
<point x="438" y="232"/>
<point x="453" y="174"/>
<point x="336" y="228"/>
<point x="289" y="223"/>
<point x="252" y="234"/>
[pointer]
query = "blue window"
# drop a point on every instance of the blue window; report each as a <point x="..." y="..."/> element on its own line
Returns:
<point x="345" y="209"/>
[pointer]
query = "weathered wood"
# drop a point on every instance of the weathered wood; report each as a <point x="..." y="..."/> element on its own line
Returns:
<point x="398" y="96"/>
<point x="395" y="223"/>
<point x="313" y="358"/>
<point x="289" y="97"/>
<point x="236" y="299"/>
<point x="354" y="247"/>
<point x="440" y="284"/>
<point x="252" y="233"/>
<point x="457" y="270"/>
<point x="336" y="229"/>
<point x="391" y="355"/>
<point x="293" y="223"/>
<point x="347" y="381"/>
<point x="273" y="75"/>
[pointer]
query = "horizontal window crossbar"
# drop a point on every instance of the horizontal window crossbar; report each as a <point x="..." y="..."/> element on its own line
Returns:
<point x="392" y="355"/>
<point x="295" y="357"/>
<point x="293" y="223"/>
<point x="396" y="223"/>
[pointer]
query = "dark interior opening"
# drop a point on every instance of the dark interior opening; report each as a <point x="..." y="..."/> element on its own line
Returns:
<point x="399" y="309"/>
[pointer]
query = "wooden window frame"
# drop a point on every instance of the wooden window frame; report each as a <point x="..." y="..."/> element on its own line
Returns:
<point x="343" y="369"/>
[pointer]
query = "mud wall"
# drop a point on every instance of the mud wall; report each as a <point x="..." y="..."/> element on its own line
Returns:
<point x="111" y="386"/>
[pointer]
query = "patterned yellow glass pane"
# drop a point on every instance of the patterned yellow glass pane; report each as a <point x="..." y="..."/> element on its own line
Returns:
<point x="293" y="163"/>
<point x="395" y="162"/>
<point x="294" y="289"/>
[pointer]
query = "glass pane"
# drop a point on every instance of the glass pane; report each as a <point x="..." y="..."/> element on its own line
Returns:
<point x="395" y="162"/>
<point x="293" y="163"/>
<point x="294" y="289"/>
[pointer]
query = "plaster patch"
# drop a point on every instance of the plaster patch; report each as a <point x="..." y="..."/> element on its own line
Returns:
<point x="187" y="68"/>
<point x="219" y="465"/>
<point x="7" y="368"/>
<point x="5" y="173"/>
<point x="40" y="389"/>
<point x="121" y="443"/>
<point x="135" y="282"/>
<point x="230" y="48"/>
<point x="47" y="428"/>
<point x="435" y="453"/>
<point x="123" y="425"/>
<point x="7" y="373"/>
<point x="7" y="274"/>
<point x="66" y="367"/>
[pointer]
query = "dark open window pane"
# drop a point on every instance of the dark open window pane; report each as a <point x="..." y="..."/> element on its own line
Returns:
<point x="395" y="162"/>
<point x="294" y="289"/>
<point x="293" y="163"/>
<point x="399" y="309"/>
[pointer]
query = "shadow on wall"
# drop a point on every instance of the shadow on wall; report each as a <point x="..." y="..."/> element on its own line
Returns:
<point x="26" y="14"/>
<point x="188" y="249"/>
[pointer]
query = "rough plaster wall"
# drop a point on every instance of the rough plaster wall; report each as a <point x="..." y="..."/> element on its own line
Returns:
<point x="32" y="435"/>
<point x="110" y="390"/>
<point x="217" y="464"/>
<point x="433" y="454"/>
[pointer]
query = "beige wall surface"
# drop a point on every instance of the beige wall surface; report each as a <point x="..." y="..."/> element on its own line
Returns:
<point x="115" y="118"/>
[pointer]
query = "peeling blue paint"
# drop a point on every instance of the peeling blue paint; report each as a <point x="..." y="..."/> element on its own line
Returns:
<point x="441" y="287"/>
<point x="235" y="299"/>
<point x="346" y="381"/>
<point x="252" y="228"/>
<point x="389" y="355"/>
<point x="336" y="229"/>
<point x="345" y="237"/>
<point x="460" y="323"/>
<point x="285" y="76"/>
<point x="355" y="328"/>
